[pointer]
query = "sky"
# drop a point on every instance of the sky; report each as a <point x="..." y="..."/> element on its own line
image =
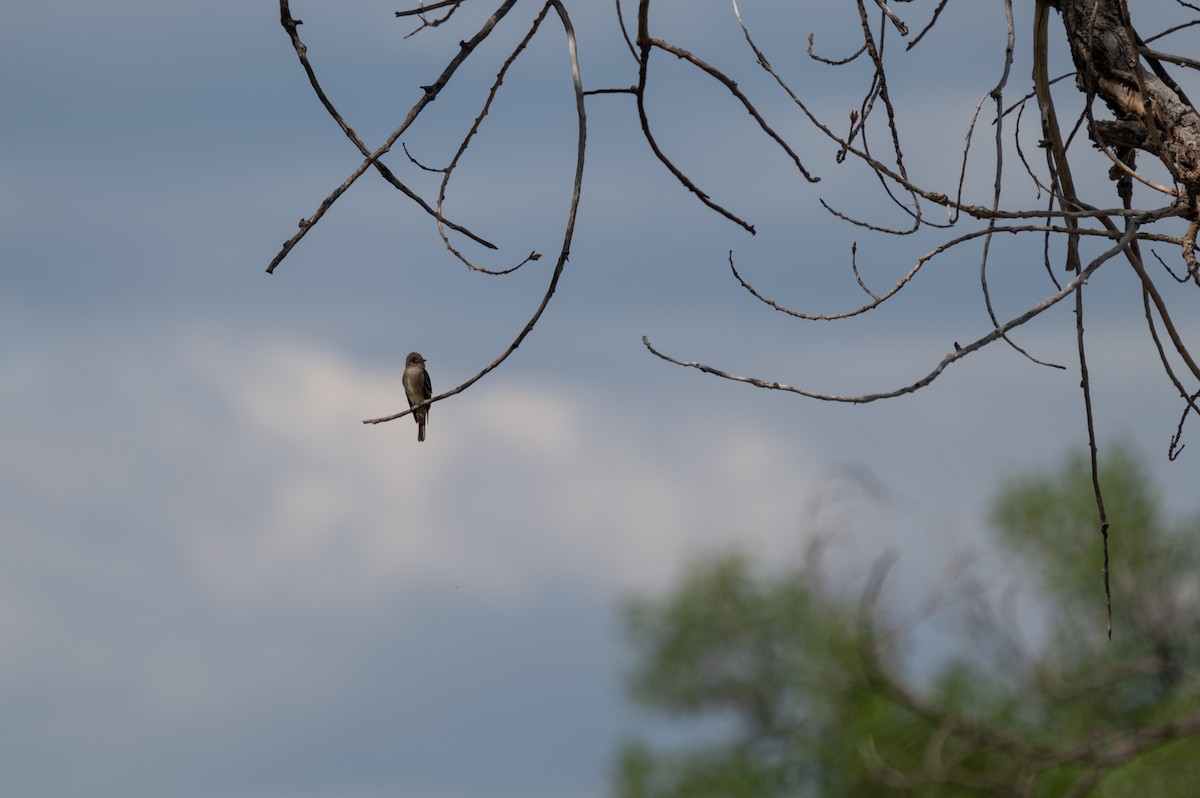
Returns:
<point x="215" y="582"/>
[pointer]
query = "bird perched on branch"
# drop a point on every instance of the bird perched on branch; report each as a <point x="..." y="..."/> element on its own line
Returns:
<point x="417" y="388"/>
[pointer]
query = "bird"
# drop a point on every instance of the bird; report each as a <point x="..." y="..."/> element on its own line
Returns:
<point x="417" y="388"/>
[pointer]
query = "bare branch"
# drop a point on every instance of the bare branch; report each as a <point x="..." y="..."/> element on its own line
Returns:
<point x="937" y="12"/>
<point x="958" y="354"/>
<point x="431" y="7"/>
<point x="568" y="233"/>
<point x="1086" y="384"/>
<point x="372" y="158"/>
<point x="448" y="172"/>
<point x="900" y="26"/>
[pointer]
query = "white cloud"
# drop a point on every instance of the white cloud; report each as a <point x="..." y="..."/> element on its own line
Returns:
<point x="517" y="486"/>
<point x="203" y="538"/>
<point x="250" y="463"/>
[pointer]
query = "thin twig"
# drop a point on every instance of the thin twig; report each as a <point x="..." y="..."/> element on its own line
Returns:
<point x="942" y="248"/>
<point x="448" y="172"/>
<point x="372" y="158"/>
<point x="568" y="233"/>
<point x="1086" y="385"/>
<point x="997" y="95"/>
<point x="430" y="7"/>
<point x="959" y="353"/>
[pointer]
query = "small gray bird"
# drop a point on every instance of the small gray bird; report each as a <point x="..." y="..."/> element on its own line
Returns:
<point x="417" y="388"/>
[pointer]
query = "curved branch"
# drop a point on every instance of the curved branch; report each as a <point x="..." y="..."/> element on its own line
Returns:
<point x="959" y="352"/>
<point x="822" y="59"/>
<point x="625" y="32"/>
<point x="568" y="233"/>
<point x="878" y="299"/>
<point x="936" y="197"/>
<point x="645" y="45"/>
<point x="997" y="94"/>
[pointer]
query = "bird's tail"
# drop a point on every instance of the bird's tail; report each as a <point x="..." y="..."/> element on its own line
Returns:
<point x="421" y="430"/>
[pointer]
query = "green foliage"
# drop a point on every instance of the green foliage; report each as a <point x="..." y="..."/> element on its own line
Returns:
<point x="1050" y="524"/>
<point x="807" y="699"/>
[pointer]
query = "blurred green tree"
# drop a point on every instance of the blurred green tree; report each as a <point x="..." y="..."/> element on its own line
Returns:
<point x="801" y="689"/>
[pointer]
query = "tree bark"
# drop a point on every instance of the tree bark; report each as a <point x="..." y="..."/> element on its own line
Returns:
<point x="1105" y="49"/>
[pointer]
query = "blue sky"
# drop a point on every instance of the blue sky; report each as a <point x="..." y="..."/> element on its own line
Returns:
<point x="216" y="583"/>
